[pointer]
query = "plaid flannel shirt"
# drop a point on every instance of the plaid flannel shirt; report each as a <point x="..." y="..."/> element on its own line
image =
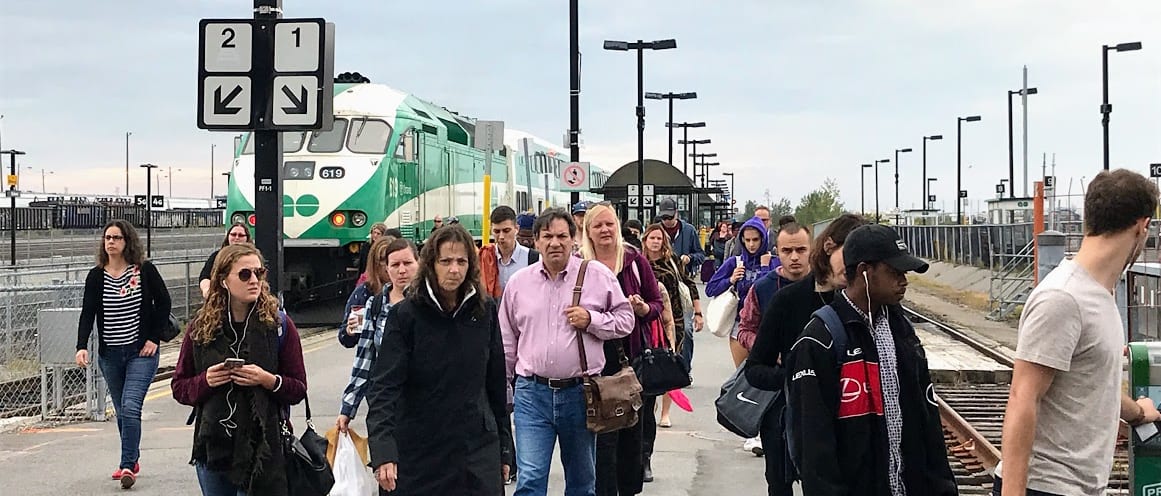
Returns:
<point x="370" y="337"/>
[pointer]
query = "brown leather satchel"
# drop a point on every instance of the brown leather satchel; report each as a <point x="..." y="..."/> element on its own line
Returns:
<point x="611" y="402"/>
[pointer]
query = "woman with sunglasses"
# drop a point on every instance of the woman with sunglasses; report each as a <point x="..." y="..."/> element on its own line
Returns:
<point x="237" y="233"/>
<point x="397" y="264"/>
<point x="126" y="298"/>
<point x="240" y="367"/>
<point x="378" y="231"/>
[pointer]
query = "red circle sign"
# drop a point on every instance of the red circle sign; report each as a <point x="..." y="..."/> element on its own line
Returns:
<point x="573" y="175"/>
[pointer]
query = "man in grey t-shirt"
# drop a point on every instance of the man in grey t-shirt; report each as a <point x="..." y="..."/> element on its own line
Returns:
<point x="1060" y="427"/>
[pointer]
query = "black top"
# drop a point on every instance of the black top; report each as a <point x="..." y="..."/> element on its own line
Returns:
<point x="785" y="317"/>
<point x="438" y="397"/>
<point x="836" y="422"/>
<point x="208" y="268"/>
<point x="155" y="307"/>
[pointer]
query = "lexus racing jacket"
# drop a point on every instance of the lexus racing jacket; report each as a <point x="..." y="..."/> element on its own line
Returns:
<point x="838" y="430"/>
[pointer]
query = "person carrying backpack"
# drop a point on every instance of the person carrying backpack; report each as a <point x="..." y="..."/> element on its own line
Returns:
<point x="862" y="417"/>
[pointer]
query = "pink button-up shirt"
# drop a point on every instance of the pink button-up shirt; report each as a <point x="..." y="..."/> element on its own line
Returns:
<point x="538" y="339"/>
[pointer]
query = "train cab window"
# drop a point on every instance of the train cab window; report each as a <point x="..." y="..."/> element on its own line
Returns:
<point x="291" y="142"/>
<point x="369" y="136"/>
<point x="328" y="141"/>
<point x="405" y="150"/>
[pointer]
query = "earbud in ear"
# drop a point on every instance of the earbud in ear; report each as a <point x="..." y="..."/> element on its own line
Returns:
<point x="224" y="285"/>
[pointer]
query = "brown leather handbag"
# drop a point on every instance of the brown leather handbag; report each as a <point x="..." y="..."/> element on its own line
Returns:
<point x="611" y="402"/>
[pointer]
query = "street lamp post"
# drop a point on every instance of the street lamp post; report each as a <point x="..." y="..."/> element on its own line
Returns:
<point x="212" y="147"/>
<point x="574" y="89"/>
<point x="705" y="171"/>
<point x="897" y="152"/>
<point x="669" y="124"/>
<point x="877" y="162"/>
<point x="1011" y="151"/>
<point x="148" y="208"/>
<point x="733" y="192"/>
<point x="702" y="156"/>
<point x="640" y="46"/>
<point x="12" y="196"/>
<point x="863" y="189"/>
<point x="925" y="187"/>
<point x="1107" y="108"/>
<point x="959" y="165"/>
<point x="693" y="201"/>
<point x="127" y="135"/>
<point x="928" y="202"/>
<point x="684" y="141"/>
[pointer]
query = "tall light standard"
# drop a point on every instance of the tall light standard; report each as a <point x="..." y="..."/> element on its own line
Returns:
<point x="44" y="189"/>
<point x="12" y="192"/>
<point x="1011" y="151"/>
<point x="685" y="159"/>
<point x="959" y="192"/>
<point x="897" y="152"/>
<point x="702" y="156"/>
<point x="863" y="189"/>
<point x="127" y="135"/>
<point x="1107" y="108"/>
<point x="925" y="186"/>
<point x="640" y="46"/>
<point x="669" y="124"/>
<point x="877" y="162"/>
<point x="148" y="207"/>
<point x="212" y="148"/>
<point x="574" y="89"/>
<point x="733" y="192"/>
<point x="705" y="171"/>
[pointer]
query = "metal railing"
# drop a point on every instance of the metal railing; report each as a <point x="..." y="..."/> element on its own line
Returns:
<point x="79" y="246"/>
<point x="1012" y="281"/>
<point x="24" y="294"/>
<point x="976" y="245"/>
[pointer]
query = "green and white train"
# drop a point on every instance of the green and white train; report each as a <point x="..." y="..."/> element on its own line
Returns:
<point x="394" y="158"/>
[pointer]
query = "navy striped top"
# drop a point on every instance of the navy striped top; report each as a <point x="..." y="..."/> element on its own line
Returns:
<point x="121" y="301"/>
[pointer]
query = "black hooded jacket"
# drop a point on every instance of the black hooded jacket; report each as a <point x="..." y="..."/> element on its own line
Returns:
<point x="838" y="431"/>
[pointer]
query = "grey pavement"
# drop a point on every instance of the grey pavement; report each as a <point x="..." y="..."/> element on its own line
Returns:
<point x="694" y="457"/>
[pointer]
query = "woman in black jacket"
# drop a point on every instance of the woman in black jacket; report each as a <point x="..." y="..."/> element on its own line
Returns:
<point x="236" y="234"/>
<point x="126" y="298"/>
<point x="438" y="419"/>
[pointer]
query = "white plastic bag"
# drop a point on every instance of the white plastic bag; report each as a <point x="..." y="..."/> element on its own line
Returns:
<point x="352" y="478"/>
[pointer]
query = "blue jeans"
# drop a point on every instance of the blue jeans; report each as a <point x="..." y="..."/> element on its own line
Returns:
<point x="128" y="376"/>
<point x="687" y="345"/>
<point x="215" y="483"/>
<point x="542" y="416"/>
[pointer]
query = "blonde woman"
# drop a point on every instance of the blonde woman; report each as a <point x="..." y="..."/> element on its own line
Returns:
<point x="620" y="454"/>
<point x="240" y="366"/>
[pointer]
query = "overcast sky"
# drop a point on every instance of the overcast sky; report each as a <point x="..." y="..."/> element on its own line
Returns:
<point x="793" y="92"/>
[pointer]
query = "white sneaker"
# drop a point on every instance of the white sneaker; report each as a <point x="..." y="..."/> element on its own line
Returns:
<point x="754" y="445"/>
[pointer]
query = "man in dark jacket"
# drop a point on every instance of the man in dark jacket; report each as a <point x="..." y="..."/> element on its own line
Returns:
<point x="687" y="246"/>
<point x="863" y="419"/>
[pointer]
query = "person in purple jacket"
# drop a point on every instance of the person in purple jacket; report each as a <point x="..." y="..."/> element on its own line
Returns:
<point x="620" y="463"/>
<point x="756" y="262"/>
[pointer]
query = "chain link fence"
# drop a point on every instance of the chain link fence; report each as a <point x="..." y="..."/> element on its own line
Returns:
<point x="71" y="246"/>
<point x="39" y="311"/>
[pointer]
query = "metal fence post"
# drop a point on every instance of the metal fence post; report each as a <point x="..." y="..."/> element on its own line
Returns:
<point x="187" y="294"/>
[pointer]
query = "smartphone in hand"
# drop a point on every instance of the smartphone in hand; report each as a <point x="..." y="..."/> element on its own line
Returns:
<point x="233" y="363"/>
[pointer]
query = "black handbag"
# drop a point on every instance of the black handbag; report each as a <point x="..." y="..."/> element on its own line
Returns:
<point x="659" y="369"/>
<point x="307" y="471"/>
<point x="171" y="328"/>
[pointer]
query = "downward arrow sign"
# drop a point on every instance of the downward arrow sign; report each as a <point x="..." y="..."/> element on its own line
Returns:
<point x="221" y="105"/>
<point x="298" y="103"/>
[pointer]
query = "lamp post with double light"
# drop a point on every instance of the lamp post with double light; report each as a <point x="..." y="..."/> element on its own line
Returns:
<point x="1106" y="107"/>
<point x="669" y="124"/>
<point x="959" y="193"/>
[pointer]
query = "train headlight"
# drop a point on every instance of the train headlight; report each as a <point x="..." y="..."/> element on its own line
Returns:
<point x="237" y="218"/>
<point x="252" y="220"/>
<point x="338" y="219"/>
<point x="359" y="219"/>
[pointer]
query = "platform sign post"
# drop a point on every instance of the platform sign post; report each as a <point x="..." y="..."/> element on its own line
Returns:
<point x="1145" y="440"/>
<point x="12" y="194"/>
<point x="489" y="138"/>
<point x="266" y="75"/>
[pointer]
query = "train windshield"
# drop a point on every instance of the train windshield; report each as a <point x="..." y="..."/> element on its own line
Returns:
<point x="328" y="141"/>
<point x="291" y="142"/>
<point x="369" y="136"/>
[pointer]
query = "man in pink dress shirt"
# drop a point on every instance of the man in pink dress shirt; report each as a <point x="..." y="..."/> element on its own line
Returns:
<point x="539" y="324"/>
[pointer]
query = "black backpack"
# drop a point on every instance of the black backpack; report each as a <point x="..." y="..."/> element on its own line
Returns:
<point x="838" y="333"/>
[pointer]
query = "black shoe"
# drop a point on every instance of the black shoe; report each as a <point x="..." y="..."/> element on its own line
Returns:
<point x="648" y="471"/>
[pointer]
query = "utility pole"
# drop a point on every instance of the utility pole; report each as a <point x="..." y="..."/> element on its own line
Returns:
<point x="127" y="135"/>
<point x="212" y="147"/>
<point x="574" y="89"/>
<point x="1024" y="92"/>
<point x="12" y="194"/>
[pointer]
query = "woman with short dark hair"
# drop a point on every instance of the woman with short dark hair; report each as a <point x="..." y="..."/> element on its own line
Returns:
<point x="126" y="298"/>
<point x="236" y="234"/>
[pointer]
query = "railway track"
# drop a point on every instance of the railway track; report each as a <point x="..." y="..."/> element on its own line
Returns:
<point x="973" y="420"/>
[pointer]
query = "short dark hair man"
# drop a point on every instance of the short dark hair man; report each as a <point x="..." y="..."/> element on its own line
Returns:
<point x="686" y="245"/>
<point x="1060" y="427"/>
<point x="862" y="417"/>
<point x="502" y="258"/>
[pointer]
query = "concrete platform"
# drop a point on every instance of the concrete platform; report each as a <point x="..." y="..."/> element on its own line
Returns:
<point x="952" y="362"/>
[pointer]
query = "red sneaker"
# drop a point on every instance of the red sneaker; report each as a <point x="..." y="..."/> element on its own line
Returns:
<point x="136" y="471"/>
<point x="127" y="479"/>
<point x="117" y="474"/>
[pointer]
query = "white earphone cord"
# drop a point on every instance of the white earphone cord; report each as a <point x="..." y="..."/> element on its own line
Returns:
<point x="228" y="422"/>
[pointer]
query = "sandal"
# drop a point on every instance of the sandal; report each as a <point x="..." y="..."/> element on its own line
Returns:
<point x="664" y="424"/>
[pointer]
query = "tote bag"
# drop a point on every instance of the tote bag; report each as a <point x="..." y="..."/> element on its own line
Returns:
<point x="722" y="311"/>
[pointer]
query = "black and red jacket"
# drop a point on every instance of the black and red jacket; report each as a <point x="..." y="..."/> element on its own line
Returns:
<point x="838" y="429"/>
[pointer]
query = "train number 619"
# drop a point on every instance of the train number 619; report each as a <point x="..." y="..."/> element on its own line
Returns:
<point x="332" y="173"/>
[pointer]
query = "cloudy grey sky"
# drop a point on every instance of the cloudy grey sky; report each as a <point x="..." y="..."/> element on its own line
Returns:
<point x="794" y="92"/>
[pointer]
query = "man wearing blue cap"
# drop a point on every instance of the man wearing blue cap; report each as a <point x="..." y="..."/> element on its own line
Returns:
<point x="578" y="216"/>
<point x="524" y="222"/>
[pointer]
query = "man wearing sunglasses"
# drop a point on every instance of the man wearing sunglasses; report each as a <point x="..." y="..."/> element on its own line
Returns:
<point x="686" y="245"/>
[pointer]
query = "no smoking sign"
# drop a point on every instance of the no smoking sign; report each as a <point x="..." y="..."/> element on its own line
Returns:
<point x="575" y="177"/>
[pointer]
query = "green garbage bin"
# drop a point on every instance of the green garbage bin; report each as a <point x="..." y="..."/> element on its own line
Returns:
<point x="1145" y="440"/>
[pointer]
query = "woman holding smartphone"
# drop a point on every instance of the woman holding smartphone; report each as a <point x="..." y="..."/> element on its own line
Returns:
<point x="240" y="367"/>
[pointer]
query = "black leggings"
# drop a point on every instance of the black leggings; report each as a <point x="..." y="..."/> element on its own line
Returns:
<point x="998" y="487"/>
<point x="620" y="471"/>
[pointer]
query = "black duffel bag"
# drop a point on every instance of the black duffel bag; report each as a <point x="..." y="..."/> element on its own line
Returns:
<point x="659" y="369"/>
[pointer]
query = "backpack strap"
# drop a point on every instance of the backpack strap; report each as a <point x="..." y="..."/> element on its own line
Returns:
<point x="533" y="257"/>
<point x="838" y="332"/>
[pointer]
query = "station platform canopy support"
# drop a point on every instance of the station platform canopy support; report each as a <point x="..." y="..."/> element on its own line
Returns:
<point x="699" y="206"/>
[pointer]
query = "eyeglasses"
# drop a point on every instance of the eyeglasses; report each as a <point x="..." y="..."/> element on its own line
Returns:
<point x="114" y="237"/>
<point x="245" y="274"/>
<point x="237" y="235"/>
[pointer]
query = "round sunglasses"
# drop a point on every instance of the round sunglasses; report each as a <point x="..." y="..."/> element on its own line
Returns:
<point x="246" y="274"/>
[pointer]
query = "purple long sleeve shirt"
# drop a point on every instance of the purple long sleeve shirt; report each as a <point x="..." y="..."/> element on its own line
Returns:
<point x="538" y="339"/>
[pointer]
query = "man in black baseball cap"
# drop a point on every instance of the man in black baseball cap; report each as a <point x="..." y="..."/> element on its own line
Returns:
<point x="861" y="407"/>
